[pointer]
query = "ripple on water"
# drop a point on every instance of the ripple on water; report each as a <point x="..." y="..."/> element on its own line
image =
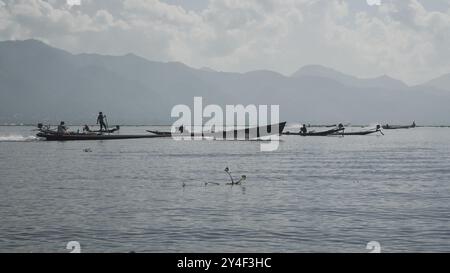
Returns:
<point x="313" y="194"/>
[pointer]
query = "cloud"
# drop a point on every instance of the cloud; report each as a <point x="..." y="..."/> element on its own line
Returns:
<point x="405" y="39"/>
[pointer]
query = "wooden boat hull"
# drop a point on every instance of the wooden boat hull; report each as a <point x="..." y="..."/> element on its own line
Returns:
<point x="160" y="133"/>
<point x="323" y="133"/>
<point x="356" y="133"/>
<point x="396" y="127"/>
<point x="239" y="134"/>
<point x="83" y="137"/>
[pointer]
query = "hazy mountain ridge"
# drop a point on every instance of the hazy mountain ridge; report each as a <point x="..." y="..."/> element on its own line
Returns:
<point x="41" y="83"/>
<point x="329" y="73"/>
<point x="442" y="82"/>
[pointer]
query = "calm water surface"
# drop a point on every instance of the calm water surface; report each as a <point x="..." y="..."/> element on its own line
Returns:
<point x="316" y="194"/>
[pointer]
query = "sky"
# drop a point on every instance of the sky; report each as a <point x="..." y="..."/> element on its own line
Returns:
<point x="405" y="39"/>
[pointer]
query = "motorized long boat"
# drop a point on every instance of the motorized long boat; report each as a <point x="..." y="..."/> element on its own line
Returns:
<point x="359" y="133"/>
<point x="48" y="134"/>
<point x="88" y="136"/>
<point x="237" y="134"/>
<point x="363" y="132"/>
<point x="395" y="127"/>
<point x="334" y="131"/>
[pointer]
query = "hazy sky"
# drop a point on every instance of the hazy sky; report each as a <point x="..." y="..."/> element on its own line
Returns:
<point x="406" y="39"/>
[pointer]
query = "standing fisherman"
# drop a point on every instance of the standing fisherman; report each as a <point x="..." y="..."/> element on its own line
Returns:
<point x="101" y="120"/>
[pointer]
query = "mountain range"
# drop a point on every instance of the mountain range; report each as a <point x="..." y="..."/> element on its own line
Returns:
<point x="42" y="83"/>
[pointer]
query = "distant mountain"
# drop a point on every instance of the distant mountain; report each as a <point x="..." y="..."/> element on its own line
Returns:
<point x="207" y="69"/>
<point x="329" y="73"/>
<point x="42" y="83"/>
<point x="442" y="82"/>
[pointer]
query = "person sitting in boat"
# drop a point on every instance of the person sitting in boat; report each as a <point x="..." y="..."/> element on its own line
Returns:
<point x="62" y="129"/>
<point x="303" y="129"/>
<point x="86" y="128"/>
<point x="101" y="121"/>
<point x="340" y="126"/>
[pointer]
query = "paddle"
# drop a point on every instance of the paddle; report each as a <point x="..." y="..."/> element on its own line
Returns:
<point x="106" y="123"/>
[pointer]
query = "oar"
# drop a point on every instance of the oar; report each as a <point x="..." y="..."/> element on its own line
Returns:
<point x="107" y="126"/>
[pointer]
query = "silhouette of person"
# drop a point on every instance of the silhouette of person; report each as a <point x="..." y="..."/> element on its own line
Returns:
<point x="101" y="121"/>
<point x="303" y="129"/>
<point x="62" y="129"/>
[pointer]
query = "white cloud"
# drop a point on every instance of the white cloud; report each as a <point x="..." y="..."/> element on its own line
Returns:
<point x="400" y="38"/>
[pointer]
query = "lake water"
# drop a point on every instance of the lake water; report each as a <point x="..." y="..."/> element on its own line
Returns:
<point x="314" y="194"/>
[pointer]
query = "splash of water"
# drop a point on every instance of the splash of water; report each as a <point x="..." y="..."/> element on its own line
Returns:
<point x="17" y="138"/>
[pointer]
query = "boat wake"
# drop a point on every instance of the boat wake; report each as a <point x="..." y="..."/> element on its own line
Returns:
<point x="17" y="138"/>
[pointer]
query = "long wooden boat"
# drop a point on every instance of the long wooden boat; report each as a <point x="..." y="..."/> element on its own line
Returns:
<point x="160" y="133"/>
<point x="363" y="132"/>
<point x="89" y="136"/>
<point x="395" y="127"/>
<point x="359" y="133"/>
<point x="313" y="133"/>
<point x="46" y="130"/>
<point x="238" y="134"/>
